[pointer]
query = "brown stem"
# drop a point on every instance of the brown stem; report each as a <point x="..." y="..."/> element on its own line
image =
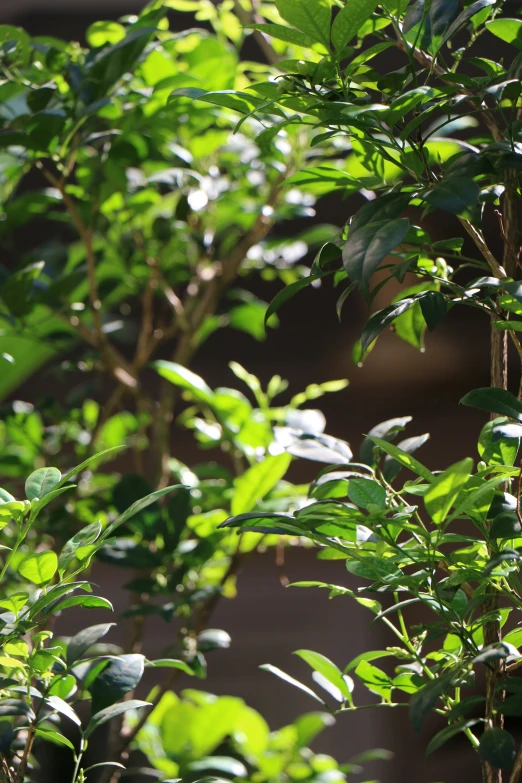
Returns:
<point x="25" y="758"/>
<point x="427" y="61"/>
<point x="516" y="772"/>
<point x="494" y="673"/>
<point x="480" y="243"/>
<point x="499" y="378"/>
<point x="115" y="362"/>
<point x="255" y="17"/>
<point x="147" y="315"/>
<point x="499" y="375"/>
<point x="510" y="224"/>
<point x="196" y="308"/>
<point x="7" y="772"/>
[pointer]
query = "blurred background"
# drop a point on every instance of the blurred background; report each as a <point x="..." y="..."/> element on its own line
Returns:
<point x="268" y="621"/>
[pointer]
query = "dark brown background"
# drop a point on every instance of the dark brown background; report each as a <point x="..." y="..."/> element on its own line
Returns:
<point x="266" y="621"/>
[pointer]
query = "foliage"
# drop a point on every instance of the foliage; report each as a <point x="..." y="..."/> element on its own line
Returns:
<point x="45" y="678"/>
<point x="157" y="208"/>
<point x="440" y="133"/>
<point x="200" y="733"/>
<point x="448" y="542"/>
<point x="155" y="218"/>
<point x="165" y="160"/>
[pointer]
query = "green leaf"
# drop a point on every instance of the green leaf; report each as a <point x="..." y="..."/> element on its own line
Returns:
<point x="509" y="30"/>
<point x="185" y="379"/>
<point x="387" y="430"/>
<point x="17" y="288"/>
<point x="375" y="679"/>
<point x="425" y="699"/>
<point x="366" y="492"/>
<point x="464" y="15"/>
<point x="101" y="33"/>
<point x="244" y="103"/>
<point x="263" y="521"/>
<point x="170" y="663"/>
<point x="287" y="34"/>
<point x="494" y="400"/>
<point x="250" y="317"/>
<point x="61" y="706"/>
<point x="80" y="643"/>
<point x="407" y="101"/>
<point x="326" y="668"/>
<point x="375" y="568"/>
<point x="447" y="733"/>
<point x="233" y="768"/>
<point x="114" y="764"/>
<point x="513" y="326"/>
<point x="112" y="712"/>
<point x="390" y="467"/>
<point x="497" y="747"/>
<point x="84" y="537"/>
<point x="253" y="485"/>
<point x="55" y="737"/>
<point x="85" y="464"/>
<point x="405" y="459"/>
<point x="499" y="441"/>
<point x="383" y="318"/>
<point x="505" y="525"/>
<point x="267" y="667"/>
<point x="380" y="210"/>
<point x="371" y="655"/>
<point x="38" y="505"/>
<point x="14" y="707"/>
<point x="39" y="568"/>
<point x="433" y="307"/>
<point x="85" y="601"/>
<point x="410" y="325"/>
<point x="457" y="195"/>
<point x="312" y="17"/>
<point x="445" y="489"/>
<point x="111" y="63"/>
<point x="368" y="246"/>
<point x="349" y="20"/>
<point x="314" y="446"/>
<point x="136" y="507"/>
<point x="120" y="676"/>
<point x="290" y="291"/>
<point x="41" y="482"/>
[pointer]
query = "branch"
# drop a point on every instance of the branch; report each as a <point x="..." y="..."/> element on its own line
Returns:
<point x="176" y="304"/>
<point x="516" y="772"/>
<point x="5" y="767"/>
<point x="200" y="302"/>
<point x="255" y="18"/>
<point x="480" y="242"/>
<point x="27" y="752"/>
<point x="428" y="62"/>
<point x="147" y="318"/>
<point x="115" y="362"/>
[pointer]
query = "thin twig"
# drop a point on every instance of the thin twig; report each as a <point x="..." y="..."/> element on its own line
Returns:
<point x="147" y="316"/>
<point x="5" y="767"/>
<point x="196" y="309"/>
<point x="480" y="242"/>
<point x="114" y="360"/>
<point x="27" y="752"/>
<point x="516" y="772"/>
<point x="255" y="18"/>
